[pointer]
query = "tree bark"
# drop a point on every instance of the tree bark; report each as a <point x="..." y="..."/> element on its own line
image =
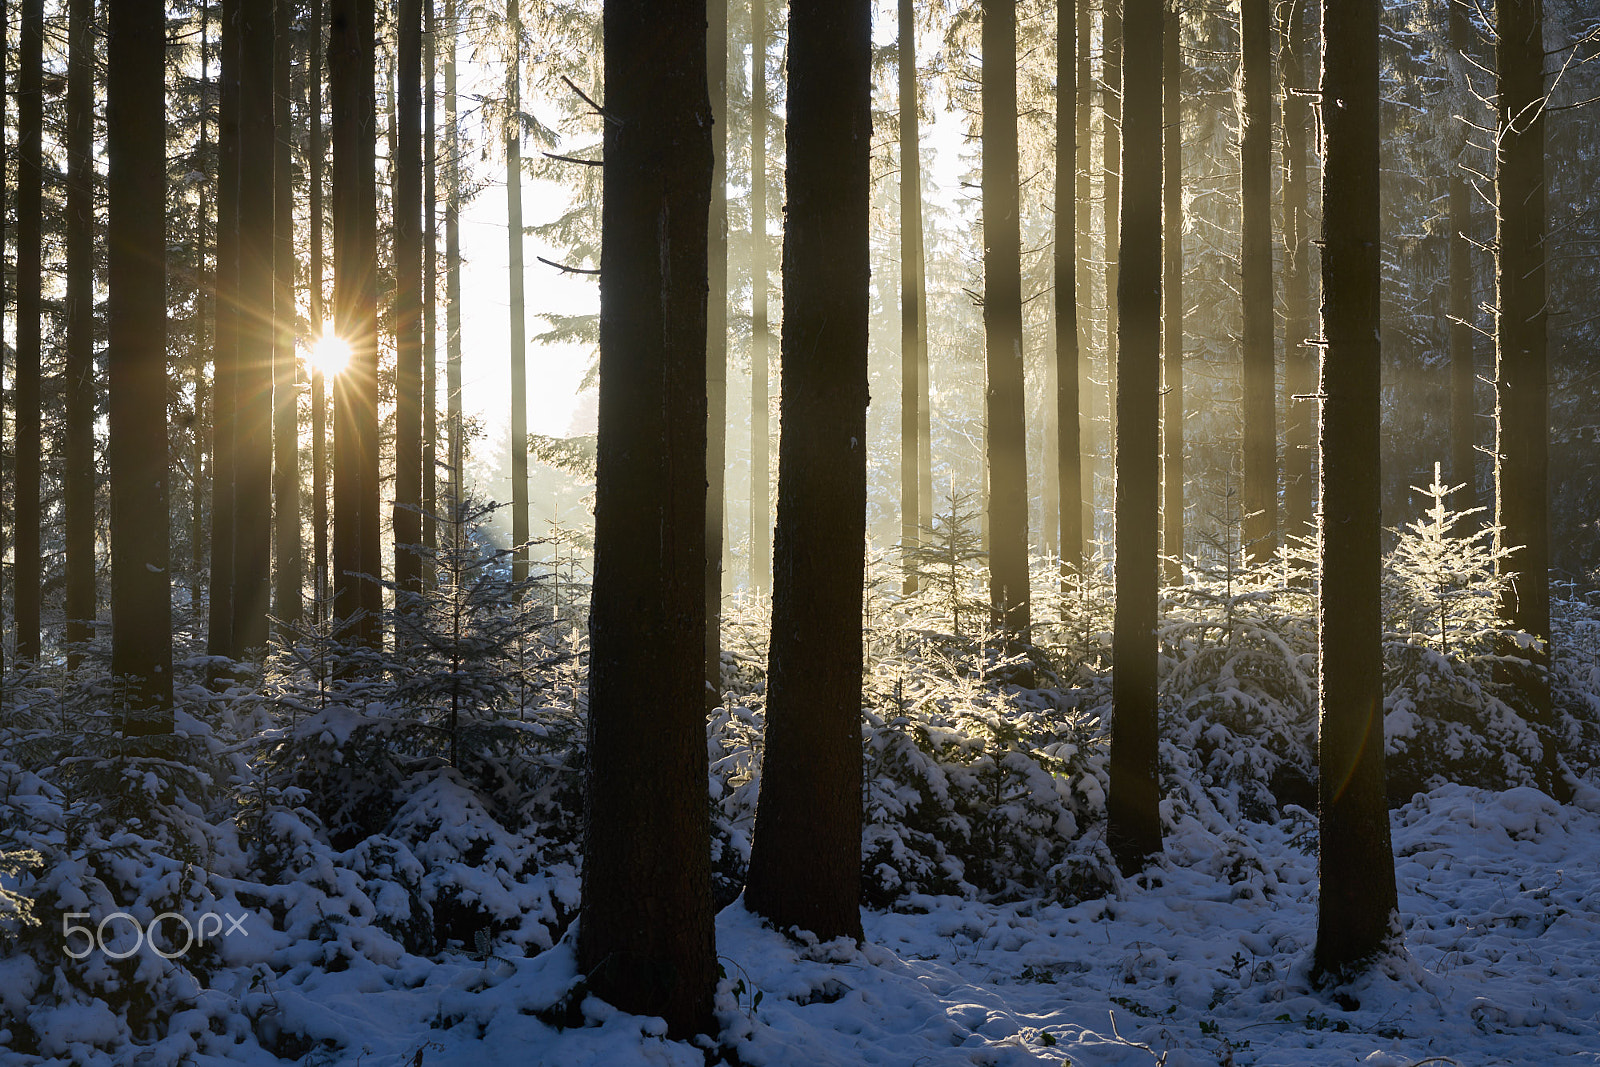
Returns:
<point x="78" y="474"/>
<point x="407" y="149"/>
<point x="356" y="562"/>
<point x="319" y="402"/>
<point x="1111" y="37"/>
<point x="1299" y="363"/>
<point x="430" y="294"/>
<point x="1005" y="418"/>
<point x="290" y="573"/>
<point x="136" y="323"/>
<point x="913" y="389"/>
<point x="1356" y="910"/>
<point x="1522" y="425"/>
<point x="1132" y="804"/>
<point x="452" y="262"/>
<point x="1260" y="497"/>
<point x="1069" y="340"/>
<point x="760" y="371"/>
<point x="646" y="939"/>
<point x="1463" y="372"/>
<point x="805" y="858"/>
<point x="716" y="342"/>
<point x="26" y="573"/>
<point x="519" y="342"/>
<point x="225" y="358"/>
<point x="1089" y="461"/>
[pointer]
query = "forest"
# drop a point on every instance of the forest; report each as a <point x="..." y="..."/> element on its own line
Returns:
<point x="1033" y="533"/>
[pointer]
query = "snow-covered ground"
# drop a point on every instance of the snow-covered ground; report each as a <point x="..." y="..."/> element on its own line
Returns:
<point x="1203" y="960"/>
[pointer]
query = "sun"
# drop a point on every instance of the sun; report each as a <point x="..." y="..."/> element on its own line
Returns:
<point x="329" y="353"/>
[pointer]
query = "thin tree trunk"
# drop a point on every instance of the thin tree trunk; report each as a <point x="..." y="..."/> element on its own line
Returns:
<point x="430" y="295"/>
<point x="1356" y="910"/>
<point x="1089" y="461"/>
<point x="1069" y="332"/>
<point x="519" y="343"/>
<point x="1111" y="67"/>
<point x="319" y="401"/>
<point x="716" y="342"/>
<point x="912" y="388"/>
<point x="136" y="323"/>
<point x="1522" y="461"/>
<point x="1132" y="805"/>
<point x="1299" y="362"/>
<point x="26" y="574"/>
<point x="356" y="561"/>
<point x="1005" y="421"/>
<point x="1259" y="376"/>
<point x="252" y="503"/>
<point x="452" y="262"/>
<point x="79" y="471"/>
<point x="407" y="149"/>
<point x="805" y="858"/>
<point x="760" y="486"/>
<point x="203" y="308"/>
<point x="646" y="940"/>
<point x="225" y="359"/>
<point x="285" y="320"/>
<point x="1463" y="372"/>
<point x="1172" y="299"/>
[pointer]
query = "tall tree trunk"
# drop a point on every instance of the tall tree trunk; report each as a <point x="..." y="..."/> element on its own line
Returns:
<point x="1069" y="333"/>
<point x="1299" y="363"/>
<point x="7" y="191"/>
<point x="1111" y="36"/>
<point x="760" y="486"/>
<point x="913" y="389"/>
<point x="407" y="149"/>
<point x="519" y="343"/>
<point x="225" y="358"/>
<point x="1356" y="864"/>
<point x="1172" y="298"/>
<point x="1259" y="374"/>
<point x="430" y="293"/>
<point x="286" y="323"/>
<point x="1522" y="428"/>
<point x="452" y="261"/>
<point x="1005" y="420"/>
<point x="136" y="324"/>
<point x="646" y="939"/>
<point x="204" y="307"/>
<point x="79" y="469"/>
<point x="26" y="574"/>
<point x="356" y="561"/>
<point x="1090" y="460"/>
<point x="716" y="341"/>
<point x="319" y="401"/>
<point x="805" y="858"/>
<point x="1463" y="372"/>
<point x="252" y="503"/>
<point x="1132" y="805"/>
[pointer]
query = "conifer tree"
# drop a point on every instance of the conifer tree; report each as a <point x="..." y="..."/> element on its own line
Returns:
<point x="78" y="474"/>
<point x="1069" y="466"/>
<point x="407" y="149"/>
<point x="289" y="575"/>
<point x="26" y="576"/>
<point x="1172" y="299"/>
<point x="1259" y="373"/>
<point x="1299" y="363"/>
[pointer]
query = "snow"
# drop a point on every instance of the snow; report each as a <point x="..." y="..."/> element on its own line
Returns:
<point x="1203" y="959"/>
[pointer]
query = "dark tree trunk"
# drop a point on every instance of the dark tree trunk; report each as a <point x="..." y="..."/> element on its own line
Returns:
<point x="1090" y="459"/>
<point x="319" y="400"/>
<point x="1463" y="372"/>
<point x="805" y="858"/>
<point x="716" y="341"/>
<point x="26" y="576"/>
<point x="204" y="307"/>
<point x="1132" y="812"/>
<point x="1172" y="299"/>
<point x="1299" y="362"/>
<point x="5" y="296"/>
<point x="286" y="326"/>
<point x="1002" y="320"/>
<point x="1260" y="498"/>
<point x="519" y="343"/>
<point x="430" y="293"/>
<point x="1069" y="341"/>
<point x="646" y="939"/>
<point x="356" y="561"/>
<point x="225" y="360"/>
<point x="407" y="149"/>
<point x="252" y="503"/>
<point x="913" y="389"/>
<point x="760" y="485"/>
<point x="78" y="473"/>
<point x="1522" y="428"/>
<point x="1356" y="911"/>
<point x="136" y="323"/>
<point x="452" y="261"/>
